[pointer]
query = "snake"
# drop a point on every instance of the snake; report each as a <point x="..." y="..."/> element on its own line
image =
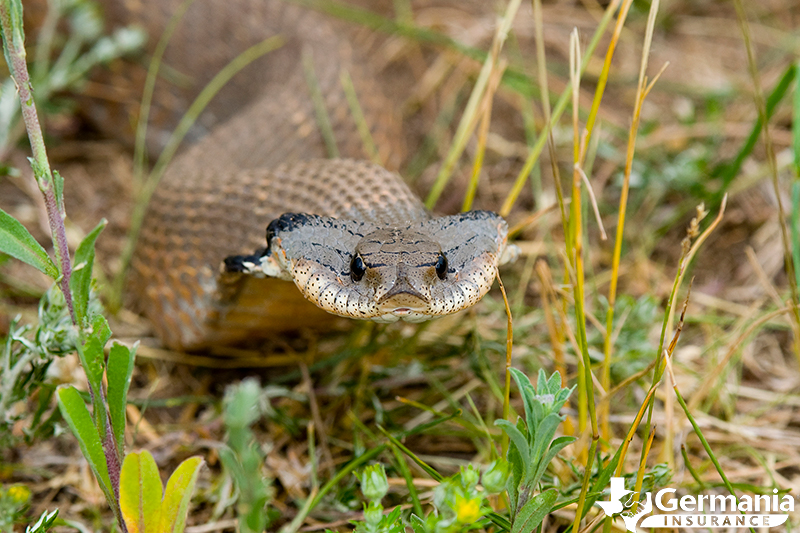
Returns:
<point x="256" y="209"/>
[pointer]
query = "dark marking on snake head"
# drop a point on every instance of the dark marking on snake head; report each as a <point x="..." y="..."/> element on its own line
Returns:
<point x="286" y="222"/>
<point x="238" y="263"/>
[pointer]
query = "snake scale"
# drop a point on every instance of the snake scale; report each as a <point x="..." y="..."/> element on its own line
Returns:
<point x="254" y="202"/>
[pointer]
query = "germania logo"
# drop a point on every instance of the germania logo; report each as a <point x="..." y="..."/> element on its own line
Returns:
<point x="705" y="510"/>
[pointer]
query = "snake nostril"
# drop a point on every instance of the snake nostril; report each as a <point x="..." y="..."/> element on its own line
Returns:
<point x="357" y="268"/>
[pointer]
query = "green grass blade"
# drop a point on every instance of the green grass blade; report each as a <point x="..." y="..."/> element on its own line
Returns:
<point x="402" y="465"/>
<point x="727" y="172"/>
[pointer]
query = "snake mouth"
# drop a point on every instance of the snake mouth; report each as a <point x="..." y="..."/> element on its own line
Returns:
<point x="403" y="303"/>
<point x="403" y="299"/>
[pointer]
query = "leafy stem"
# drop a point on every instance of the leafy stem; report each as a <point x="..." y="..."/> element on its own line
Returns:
<point x="49" y="184"/>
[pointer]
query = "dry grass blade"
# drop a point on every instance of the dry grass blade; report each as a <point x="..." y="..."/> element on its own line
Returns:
<point x="471" y="115"/>
<point x="773" y="168"/>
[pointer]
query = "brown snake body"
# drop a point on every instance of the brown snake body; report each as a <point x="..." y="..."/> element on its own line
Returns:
<point x="375" y="251"/>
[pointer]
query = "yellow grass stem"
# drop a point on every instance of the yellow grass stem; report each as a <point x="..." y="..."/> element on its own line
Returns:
<point x="575" y="248"/>
<point x="561" y="105"/>
<point x="470" y="118"/>
<point x="692" y="252"/>
<point x="632" y="430"/>
<point x="637" y="489"/>
<point x="509" y="344"/>
<point x="642" y="89"/>
<point x="603" y="78"/>
<point x="358" y="116"/>
<point x="485" y="113"/>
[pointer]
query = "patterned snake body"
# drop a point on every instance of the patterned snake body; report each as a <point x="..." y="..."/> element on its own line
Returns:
<point x="350" y="234"/>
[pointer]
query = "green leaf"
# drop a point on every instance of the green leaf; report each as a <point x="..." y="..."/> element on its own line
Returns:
<point x="17" y="32"/>
<point x="92" y="354"/>
<point x="417" y="524"/>
<point x="120" y="369"/>
<point x="180" y="488"/>
<point x="44" y="523"/>
<point x="533" y="512"/>
<point x="81" y="281"/>
<point x="74" y="411"/>
<point x="528" y="397"/>
<point x="58" y="189"/>
<point x="559" y="444"/>
<point x="140" y="493"/>
<point x="543" y="435"/>
<point x="93" y="361"/>
<point x="520" y="442"/>
<point x="17" y="242"/>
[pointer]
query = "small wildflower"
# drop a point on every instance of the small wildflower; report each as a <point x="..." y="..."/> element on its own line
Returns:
<point x="468" y="510"/>
<point x="19" y="494"/>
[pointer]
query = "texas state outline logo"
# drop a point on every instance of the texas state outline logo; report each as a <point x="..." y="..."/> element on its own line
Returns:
<point x="695" y="511"/>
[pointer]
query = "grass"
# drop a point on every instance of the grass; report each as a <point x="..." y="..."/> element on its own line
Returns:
<point x="423" y="399"/>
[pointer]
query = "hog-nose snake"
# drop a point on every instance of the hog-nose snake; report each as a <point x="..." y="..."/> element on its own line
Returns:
<point x="350" y="234"/>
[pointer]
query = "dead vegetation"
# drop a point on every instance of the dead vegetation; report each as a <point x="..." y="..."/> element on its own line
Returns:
<point x="438" y="387"/>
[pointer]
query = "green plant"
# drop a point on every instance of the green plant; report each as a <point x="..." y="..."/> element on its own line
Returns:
<point x="14" y="501"/>
<point x="374" y="486"/>
<point x="459" y="505"/>
<point x="146" y="506"/>
<point x="45" y="522"/>
<point x="100" y="433"/>
<point x="26" y="355"/>
<point x="533" y="446"/>
<point x="243" y="458"/>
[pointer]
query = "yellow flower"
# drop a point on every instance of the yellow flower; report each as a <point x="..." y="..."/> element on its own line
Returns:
<point x="467" y="511"/>
<point x="19" y="494"/>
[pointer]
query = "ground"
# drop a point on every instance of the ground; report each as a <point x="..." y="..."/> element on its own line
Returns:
<point x="736" y="362"/>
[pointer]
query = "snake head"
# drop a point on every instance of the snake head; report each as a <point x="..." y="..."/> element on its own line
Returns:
<point x="362" y="270"/>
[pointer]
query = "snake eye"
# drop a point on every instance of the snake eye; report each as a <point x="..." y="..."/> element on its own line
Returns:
<point x="357" y="268"/>
<point x="441" y="267"/>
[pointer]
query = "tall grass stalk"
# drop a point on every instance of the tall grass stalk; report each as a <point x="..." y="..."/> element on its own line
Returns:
<point x="471" y="116"/>
<point x="642" y="89"/>
<point x="560" y="107"/>
<point x="574" y="242"/>
<point x="761" y="107"/>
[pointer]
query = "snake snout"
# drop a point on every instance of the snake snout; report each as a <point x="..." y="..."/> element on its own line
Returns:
<point x="402" y="295"/>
